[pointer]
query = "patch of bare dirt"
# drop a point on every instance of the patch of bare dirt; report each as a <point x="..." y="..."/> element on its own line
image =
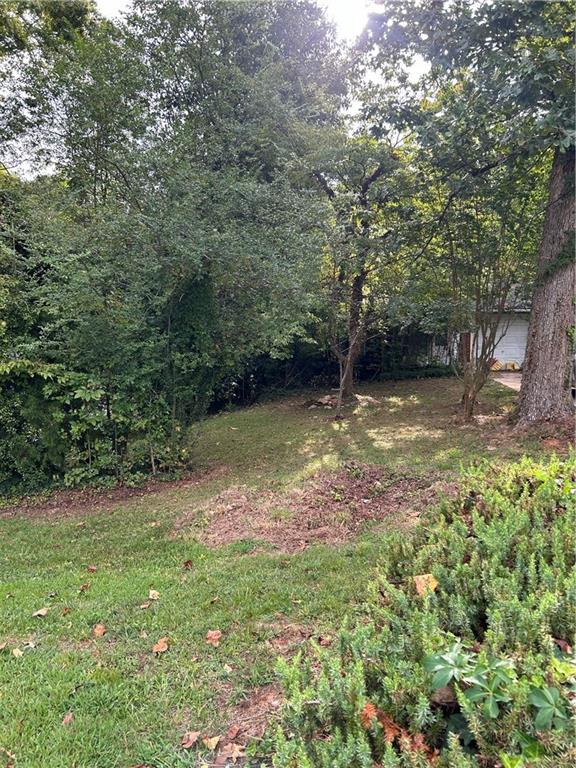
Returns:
<point x="82" y="501"/>
<point x="330" y="509"/>
<point x="255" y="712"/>
<point x="553" y="437"/>
<point x="285" y="636"/>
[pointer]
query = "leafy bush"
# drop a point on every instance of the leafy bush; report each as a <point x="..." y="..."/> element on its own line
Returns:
<point x="469" y="663"/>
<point x="61" y="427"/>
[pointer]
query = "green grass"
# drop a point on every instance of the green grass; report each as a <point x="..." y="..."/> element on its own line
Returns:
<point x="131" y="707"/>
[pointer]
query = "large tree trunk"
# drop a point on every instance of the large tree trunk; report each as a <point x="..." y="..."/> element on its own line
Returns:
<point x="544" y="393"/>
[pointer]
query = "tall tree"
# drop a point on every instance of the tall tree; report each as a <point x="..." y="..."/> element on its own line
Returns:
<point x="517" y="59"/>
<point x="365" y="183"/>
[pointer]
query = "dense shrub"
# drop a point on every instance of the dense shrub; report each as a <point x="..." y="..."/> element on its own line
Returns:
<point x="469" y="666"/>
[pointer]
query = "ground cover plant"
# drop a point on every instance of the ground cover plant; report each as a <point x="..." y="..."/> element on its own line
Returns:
<point x="465" y="657"/>
<point x="93" y="559"/>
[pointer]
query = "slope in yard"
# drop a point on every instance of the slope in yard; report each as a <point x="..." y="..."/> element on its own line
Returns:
<point x="173" y="562"/>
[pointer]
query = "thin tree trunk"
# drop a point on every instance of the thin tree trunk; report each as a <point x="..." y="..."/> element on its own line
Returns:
<point x="544" y="392"/>
<point x="355" y="328"/>
<point x="347" y="383"/>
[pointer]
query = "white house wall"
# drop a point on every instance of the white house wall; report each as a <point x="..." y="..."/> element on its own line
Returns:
<point x="511" y="349"/>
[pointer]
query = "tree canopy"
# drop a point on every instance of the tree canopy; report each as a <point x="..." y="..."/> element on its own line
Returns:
<point x="199" y="186"/>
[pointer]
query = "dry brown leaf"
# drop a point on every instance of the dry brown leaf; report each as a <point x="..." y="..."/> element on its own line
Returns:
<point x="161" y="646"/>
<point x="99" y="630"/>
<point x="211" y="743"/>
<point x="214" y="600"/>
<point x="153" y="595"/>
<point x="17" y="652"/>
<point x="66" y="611"/>
<point x="3" y="645"/>
<point x="564" y="646"/>
<point x="189" y="739"/>
<point x="144" y="606"/>
<point x="40" y="612"/>
<point x="227" y="668"/>
<point x="229" y="752"/>
<point x="324" y="640"/>
<point x="68" y="718"/>
<point x="425" y="583"/>
<point x="233" y="732"/>
<point x="213" y="637"/>
<point x="84" y="587"/>
<point x="187" y="565"/>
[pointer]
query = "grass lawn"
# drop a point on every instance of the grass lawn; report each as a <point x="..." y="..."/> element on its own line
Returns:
<point x="130" y="707"/>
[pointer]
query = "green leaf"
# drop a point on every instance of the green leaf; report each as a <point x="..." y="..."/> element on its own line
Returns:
<point x="543" y="719"/>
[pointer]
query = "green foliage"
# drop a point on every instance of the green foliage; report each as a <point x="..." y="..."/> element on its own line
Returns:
<point x="473" y="666"/>
<point x="171" y="246"/>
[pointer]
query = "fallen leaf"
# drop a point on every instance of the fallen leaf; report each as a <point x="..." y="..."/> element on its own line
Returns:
<point x="324" y="640"/>
<point x="233" y="731"/>
<point x="213" y="637"/>
<point x="144" y="606"/>
<point x="92" y="569"/>
<point x="84" y="587"/>
<point x="68" y="718"/>
<point x="562" y="644"/>
<point x="29" y="644"/>
<point x="17" y="652"/>
<point x="211" y="743"/>
<point x="187" y="565"/>
<point x="66" y="611"/>
<point x="227" y="668"/>
<point x="99" y="630"/>
<point x="161" y="646"/>
<point x="40" y="612"/>
<point x="153" y="595"/>
<point x="425" y="583"/>
<point x="214" y="600"/>
<point x="3" y="645"/>
<point x="229" y="752"/>
<point x="143" y="633"/>
<point x="189" y="739"/>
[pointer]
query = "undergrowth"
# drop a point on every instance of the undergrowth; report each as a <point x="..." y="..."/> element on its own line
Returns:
<point x="468" y="666"/>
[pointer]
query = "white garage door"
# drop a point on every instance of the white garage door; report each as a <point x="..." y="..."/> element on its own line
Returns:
<point x="512" y="346"/>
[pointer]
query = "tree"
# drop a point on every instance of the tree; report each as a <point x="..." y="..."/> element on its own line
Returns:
<point x="364" y="181"/>
<point x="517" y="59"/>
<point x="485" y="251"/>
<point x="169" y="242"/>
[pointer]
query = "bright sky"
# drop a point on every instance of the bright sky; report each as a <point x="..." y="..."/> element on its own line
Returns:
<point x="349" y="15"/>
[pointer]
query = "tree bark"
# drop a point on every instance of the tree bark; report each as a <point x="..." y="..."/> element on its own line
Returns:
<point x="544" y="392"/>
<point x="355" y="328"/>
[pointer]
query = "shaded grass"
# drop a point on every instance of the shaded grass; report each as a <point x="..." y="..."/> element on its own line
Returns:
<point x="130" y="706"/>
